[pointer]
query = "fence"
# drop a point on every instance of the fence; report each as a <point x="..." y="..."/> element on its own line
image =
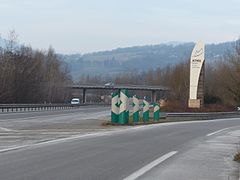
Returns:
<point x="36" y="107"/>
<point x="201" y="116"/>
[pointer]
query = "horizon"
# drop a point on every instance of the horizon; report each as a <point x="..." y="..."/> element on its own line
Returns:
<point x="133" y="46"/>
<point x="164" y="43"/>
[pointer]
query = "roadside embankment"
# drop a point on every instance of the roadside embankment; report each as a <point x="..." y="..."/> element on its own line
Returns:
<point x="176" y="117"/>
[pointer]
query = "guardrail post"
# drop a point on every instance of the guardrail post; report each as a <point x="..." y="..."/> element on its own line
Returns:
<point x="145" y="111"/>
<point x="84" y="95"/>
<point x="154" y="96"/>
<point x="135" y="109"/>
<point x="156" y="112"/>
<point x="115" y="108"/>
<point x="123" y="110"/>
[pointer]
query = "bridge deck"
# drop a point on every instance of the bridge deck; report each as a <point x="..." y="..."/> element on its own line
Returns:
<point x="117" y="87"/>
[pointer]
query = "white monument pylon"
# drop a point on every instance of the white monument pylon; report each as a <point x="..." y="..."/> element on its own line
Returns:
<point x="197" y="68"/>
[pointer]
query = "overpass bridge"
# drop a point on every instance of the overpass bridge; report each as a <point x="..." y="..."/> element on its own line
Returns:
<point x="152" y="89"/>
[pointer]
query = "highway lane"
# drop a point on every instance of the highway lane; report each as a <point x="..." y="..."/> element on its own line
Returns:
<point x="23" y="128"/>
<point x="113" y="155"/>
<point x="29" y="114"/>
<point x="26" y="120"/>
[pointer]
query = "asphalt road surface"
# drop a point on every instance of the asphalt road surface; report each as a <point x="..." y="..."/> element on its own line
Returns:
<point x="53" y="113"/>
<point x="21" y="128"/>
<point x="110" y="155"/>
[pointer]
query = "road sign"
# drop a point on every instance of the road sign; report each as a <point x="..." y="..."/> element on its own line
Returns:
<point x="123" y="110"/>
<point x="135" y="109"/>
<point x="115" y="108"/>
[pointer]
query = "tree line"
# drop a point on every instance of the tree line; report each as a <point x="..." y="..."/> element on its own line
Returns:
<point x="32" y="76"/>
<point x="222" y="79"/>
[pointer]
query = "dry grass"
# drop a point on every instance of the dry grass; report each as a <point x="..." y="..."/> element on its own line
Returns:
<point x="237" y="157"/>
<point x="176" y="106"/>
<point x="131" y="123"/>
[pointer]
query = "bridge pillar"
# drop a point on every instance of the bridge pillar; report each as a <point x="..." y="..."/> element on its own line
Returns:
<point x="154" y="96"/>
<point x="84" y="96"/>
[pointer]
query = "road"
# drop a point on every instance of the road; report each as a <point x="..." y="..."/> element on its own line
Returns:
<point x="53" y="113"/>
<point x="111" y="155"/>
<point x="23" y="128"/>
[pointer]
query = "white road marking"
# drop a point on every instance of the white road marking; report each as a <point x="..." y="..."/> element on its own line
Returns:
<point x="216" y="132"/>
<point x="12" y="148"/>
<point x="75" y="137"/>
<point x="55" y="141"/>
<point x="6" y="129"/>
<point x="149" y="166"/>
<point x="127" y="129"/>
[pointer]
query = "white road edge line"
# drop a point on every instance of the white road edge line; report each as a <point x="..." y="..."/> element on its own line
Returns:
<point x="6" y="129"/>
<point x="54" y="141"/>
<point x="12" y="148"/>
<point x="98" y="134"/>
<point x="216" y="132"/>
<point x="149" y="166"/>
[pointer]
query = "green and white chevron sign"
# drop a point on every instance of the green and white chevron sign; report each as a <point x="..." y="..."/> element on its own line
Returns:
<point x="127" y="106"/>
<point x="115" y="108"/>
<point x="145" y="111"/>
<point x="156" y="112"/>
<point x="135" y="109"/>
<point x="123" y="109"/>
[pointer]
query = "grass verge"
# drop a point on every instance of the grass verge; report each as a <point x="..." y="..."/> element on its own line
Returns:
<point x="131" y="123"/>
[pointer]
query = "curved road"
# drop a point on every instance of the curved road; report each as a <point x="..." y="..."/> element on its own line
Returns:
<point x="110" y="155"/>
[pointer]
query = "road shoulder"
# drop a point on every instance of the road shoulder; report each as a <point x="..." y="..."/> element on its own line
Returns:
<point x="211" y="159"/>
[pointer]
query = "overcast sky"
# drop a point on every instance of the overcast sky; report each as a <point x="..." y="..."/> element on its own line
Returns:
<point x="81" y="26"/>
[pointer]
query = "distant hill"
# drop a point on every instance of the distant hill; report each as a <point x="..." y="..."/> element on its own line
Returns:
<point x="138" y="58"/>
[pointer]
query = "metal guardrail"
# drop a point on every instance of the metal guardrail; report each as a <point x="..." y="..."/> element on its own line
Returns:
<point x="38" y="107"/>
<point x="117" y="87"/>
<point x="201" y="116"/>
<point x="33" y="107"/>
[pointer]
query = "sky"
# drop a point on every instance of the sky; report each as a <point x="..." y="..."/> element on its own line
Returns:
<point x="84" y="26"/>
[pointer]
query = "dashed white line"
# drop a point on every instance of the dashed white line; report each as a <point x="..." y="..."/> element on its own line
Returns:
<point x="149" y="166"/>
